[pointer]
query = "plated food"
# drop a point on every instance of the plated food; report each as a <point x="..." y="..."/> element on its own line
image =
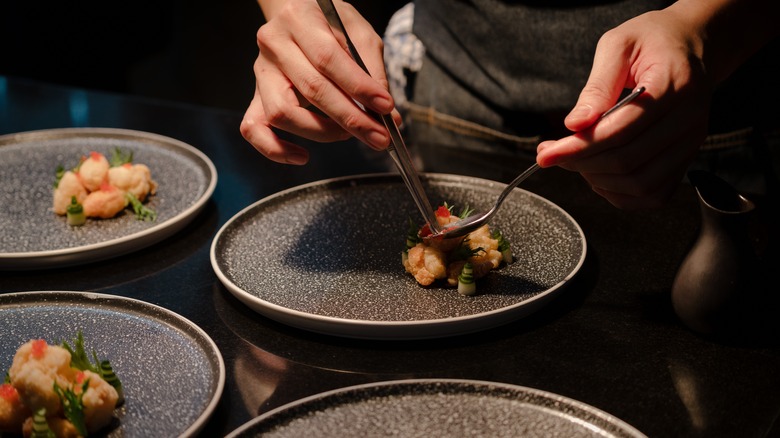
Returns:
<point x="33" y="237"/>
<point x="58" y="390"/>
<point x="101" y="188"/>
<point x="171" y="371"/>
<point x="459" y="262"/>
<point x="324" y="257"/>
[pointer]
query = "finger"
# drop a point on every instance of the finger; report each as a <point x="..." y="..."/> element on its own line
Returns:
<point x="370" y="46"/>
<point x="666" y="130"/>
<point x="610" y="132"/>
<point x="255" y="129"/>
<point x="320" y="91"/>
<point x="652" y="183"/>
<point x="282" y="57"/>
<point x="653" y="200"/>
<point x="282" y="109"/>
<point x="609" y="76"/>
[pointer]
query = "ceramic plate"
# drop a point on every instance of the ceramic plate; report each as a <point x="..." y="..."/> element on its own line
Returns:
<point x="442" y="408"/>
<point x="171" y="371"/>
<point x="32" y="236"/>
<point x="326" y="257"/>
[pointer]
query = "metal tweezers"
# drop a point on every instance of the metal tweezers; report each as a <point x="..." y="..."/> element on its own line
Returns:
<point x="397" y="148"/>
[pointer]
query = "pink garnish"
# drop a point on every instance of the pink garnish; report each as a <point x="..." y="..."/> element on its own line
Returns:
<point x="9" y="393"/>
<point x="39" y="347"/>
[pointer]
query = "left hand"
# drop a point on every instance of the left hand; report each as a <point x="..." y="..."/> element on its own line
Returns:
<point x="637" y="156"/>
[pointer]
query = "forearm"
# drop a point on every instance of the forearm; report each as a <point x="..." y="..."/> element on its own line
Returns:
<point x="731" y="30"/>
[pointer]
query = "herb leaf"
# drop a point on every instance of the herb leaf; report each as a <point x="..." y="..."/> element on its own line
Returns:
<point x="73" y="405"/>
<point x="142" y="213"/>
<point x="78" y="355"/>
<point x="120" y="157"/>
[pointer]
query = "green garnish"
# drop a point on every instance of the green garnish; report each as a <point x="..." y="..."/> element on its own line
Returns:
<point x="466" y="212"/>
<point x="464" y="251"/>
<point x="142" y="213"/>
<point x="80" y="360"/>
<point x="412" y="236"/>
<point x="73" y="405"/>
<point x="107" y="372"/>
<point x="58" y="172"/>
<point x="120" y="157"/>
<point x="7" y="378"/>
<point x="78" y="355"/>
<point x="75" y="213"/>
<point x="503" y="246"/>
<point x="466" y="283"/>
<point x="40" y="427"/>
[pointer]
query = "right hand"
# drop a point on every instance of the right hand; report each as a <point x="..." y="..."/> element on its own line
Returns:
<point x="302" y="65"/>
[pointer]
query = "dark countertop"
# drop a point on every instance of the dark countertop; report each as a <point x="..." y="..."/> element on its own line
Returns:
<point x="611" y="340"/>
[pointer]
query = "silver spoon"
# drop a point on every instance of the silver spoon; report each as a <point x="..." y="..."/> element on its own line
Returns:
<point x="471" y="223"/>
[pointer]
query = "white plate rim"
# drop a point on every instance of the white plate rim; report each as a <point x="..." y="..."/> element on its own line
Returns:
<point x="198" y="425"/>
<point x="390" y="330"/>
<point x="124" y="244"/>
<point x="237" y="433"/>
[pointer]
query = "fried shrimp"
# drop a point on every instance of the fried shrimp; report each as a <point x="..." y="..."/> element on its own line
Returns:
<point x="93" y="171"/>
<point x="133" y="178"/>
<point x="36" y="367"/>
<point x="99" y="401"/>
<point x="426" y="264"/>
<point x="69" y="185"/>
<point x="12" y="411"/>
<point x="104" y="203"/>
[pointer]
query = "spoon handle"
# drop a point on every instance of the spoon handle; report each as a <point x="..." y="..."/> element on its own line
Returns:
<point x="515" y="182"/>
<point x="530" y="171"/>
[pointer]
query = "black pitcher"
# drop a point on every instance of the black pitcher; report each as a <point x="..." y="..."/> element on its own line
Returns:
<point x="718" y="290"/>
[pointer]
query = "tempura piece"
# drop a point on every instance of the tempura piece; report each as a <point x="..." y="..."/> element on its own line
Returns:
<point x="12" y="411"/>
<point x="93" y="171"/>
<point x="133" y="178"/>
<point x="104" y="203"/>
<point x="99" y="400"/>
<point x="426" y="264"/>
<point x="69" y="185"/>
<point x="36" y="367"/>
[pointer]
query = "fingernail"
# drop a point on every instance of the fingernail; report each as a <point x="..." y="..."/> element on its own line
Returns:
<point x="298" y="159"/>
<point x="382" y="104"/>
<point x="579" y="112"/>
<point x="378" y="139"/>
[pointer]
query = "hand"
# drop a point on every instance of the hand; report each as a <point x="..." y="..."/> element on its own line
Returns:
<point x="302" y="65"/>
<point x="637" y="156"/>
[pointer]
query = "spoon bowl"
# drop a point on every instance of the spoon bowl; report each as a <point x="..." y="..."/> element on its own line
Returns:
<point x="476" y="220"/>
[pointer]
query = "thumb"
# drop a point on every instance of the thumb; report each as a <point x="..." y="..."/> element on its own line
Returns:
<point x="606" y="81"/>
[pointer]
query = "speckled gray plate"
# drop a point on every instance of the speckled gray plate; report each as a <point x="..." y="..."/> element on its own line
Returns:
<point x="436" y="408"/>
<point x="172" y="372"/>
<point x="33" y="237"/>
<point x="326" y="257"/>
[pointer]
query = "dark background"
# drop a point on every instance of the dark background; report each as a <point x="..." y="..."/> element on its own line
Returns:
<point x="197" y="51"/>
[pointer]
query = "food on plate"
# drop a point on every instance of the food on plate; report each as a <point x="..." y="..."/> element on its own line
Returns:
<point x="57" y="390"/>
<point x="75" y="213"/>
<point x="104" y="187"/>
<point x="466" y="284"/>
<point x="455" y="262"/>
